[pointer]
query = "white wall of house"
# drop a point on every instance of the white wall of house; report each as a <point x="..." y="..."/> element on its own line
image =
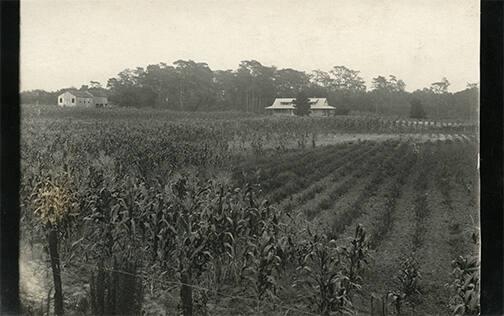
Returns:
<point x="283" y="112"/>
<point x="314" y="113"/>
<point x="67" y="99"/>
<point x="320" y="113"/>
<point x="85" y="102"/>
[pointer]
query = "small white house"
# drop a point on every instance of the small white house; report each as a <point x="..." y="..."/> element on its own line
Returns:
<point x="285" y="106"/>
<point x="81" y="98"/>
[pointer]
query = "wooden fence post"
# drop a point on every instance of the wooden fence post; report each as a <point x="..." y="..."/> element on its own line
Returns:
<point x="372" y="304"/>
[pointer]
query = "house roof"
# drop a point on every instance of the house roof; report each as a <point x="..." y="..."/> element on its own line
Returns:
<point x="86" y="94"/>
<point x="80" y="94"/>
<point x="287" y="104"/>
<point x="99" y="95"/>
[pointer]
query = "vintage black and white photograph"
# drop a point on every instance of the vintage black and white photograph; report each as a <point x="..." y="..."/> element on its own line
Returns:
<point x="233" y="157"/>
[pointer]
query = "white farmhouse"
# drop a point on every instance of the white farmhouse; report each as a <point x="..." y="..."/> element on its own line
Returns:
<point x="81" y="98"/>
<point x="285" y="106"/>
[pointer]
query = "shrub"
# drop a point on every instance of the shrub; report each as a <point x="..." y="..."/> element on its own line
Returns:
<point x="301" y="104"/>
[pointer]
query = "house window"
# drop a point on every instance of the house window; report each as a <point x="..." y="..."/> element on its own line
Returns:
<point x="73" y="100"/>
<point x="61" y="100"/>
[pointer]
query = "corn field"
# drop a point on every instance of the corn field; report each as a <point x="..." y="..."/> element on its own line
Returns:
<point x="127" y="212"/>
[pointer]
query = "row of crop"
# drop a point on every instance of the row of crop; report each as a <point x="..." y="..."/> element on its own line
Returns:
<point x="421" y="208"/>
<point x="393" y="282"/>
<point x="457" y="174"/>
<point x="269" y="173"/>
<point x="254" y="132"/>
<point x="407" y="289"/>
<point x="355" y="169"/>
<point x="301" y="178"/>
<point x="184" y="230"/>
<point x="136" y="152"/>
<point x="349" y="215"/>
<point x="429" y="258"/>
<point x="384" y="222"/>
<point x="346" y="163"/>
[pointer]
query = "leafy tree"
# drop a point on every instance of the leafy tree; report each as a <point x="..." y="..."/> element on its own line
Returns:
<point x="346" y="79"/>
<point x="391" y="85"/>
<point x="321" y="78"/>
<point x="255" y="85"/>
<point x="396" y="85"/>
<point x="39" y="97"/>
<point x="195" y="84"/>
<point x="472" y="85"/>
<point x="301" y="104"/>
<point x="226" y="87"/>
<point x="388" y="93"/>
<point x="341" y="110"/>
<point x="440" y="87"/>
<point x="417" y="111"/>
<point x="95" y="84"/>
<point x="288" y="82"/>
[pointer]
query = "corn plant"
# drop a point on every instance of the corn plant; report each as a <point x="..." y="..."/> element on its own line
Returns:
<point x="262" y="265"/>
<point x="320" y="275"/>
<point x="408" y="281"/>
<point x="465" y="286"/>
<point x="112" y="241"/>
<point x="191" y="252"/>
<point x="355" y="258"/>
<point x="265" y="249"/>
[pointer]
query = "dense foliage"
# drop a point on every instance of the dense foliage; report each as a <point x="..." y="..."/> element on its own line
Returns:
<point x="417" y="111"/>
<point x="193" y="86"/>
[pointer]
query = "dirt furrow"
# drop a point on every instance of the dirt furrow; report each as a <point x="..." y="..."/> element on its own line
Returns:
<point x="319" y="209"/>
<point x="299" y="183"/>
<point x="342" y="215"/>
<point x="321" y="186"/>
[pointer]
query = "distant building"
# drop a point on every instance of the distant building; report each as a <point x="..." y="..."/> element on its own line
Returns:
<point x="82" y="98"/>
<point x="100" y="100"/>
<point x="285" y="106"/>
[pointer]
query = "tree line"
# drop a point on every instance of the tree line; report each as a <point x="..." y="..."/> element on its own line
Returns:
<point x="193" y="86"/>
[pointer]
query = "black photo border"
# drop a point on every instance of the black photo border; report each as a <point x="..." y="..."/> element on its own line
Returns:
<point x="491" y="170"/>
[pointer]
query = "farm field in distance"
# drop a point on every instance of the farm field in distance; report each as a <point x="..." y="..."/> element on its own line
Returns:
<point x="168" y="213"/>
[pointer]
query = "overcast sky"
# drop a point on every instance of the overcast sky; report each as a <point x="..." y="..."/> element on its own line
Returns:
<point x="70" y="42"/>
